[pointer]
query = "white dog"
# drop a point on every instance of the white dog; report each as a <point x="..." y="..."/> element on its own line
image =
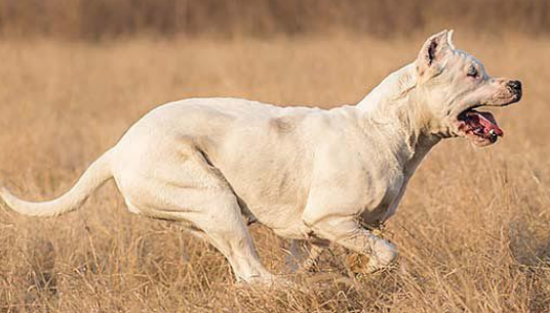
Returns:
<point x="309" y="174"/>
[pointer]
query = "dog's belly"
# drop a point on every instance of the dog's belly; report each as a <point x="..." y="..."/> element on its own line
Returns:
<point x="277" y="200"/>
<point x="285" y="221"/>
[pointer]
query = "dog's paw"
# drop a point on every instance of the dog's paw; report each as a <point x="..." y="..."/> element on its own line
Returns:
<point x="384" y="254"/>
<point x="357" y="263"/>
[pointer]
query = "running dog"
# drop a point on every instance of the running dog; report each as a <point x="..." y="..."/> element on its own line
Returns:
<point x="308" y="174"/>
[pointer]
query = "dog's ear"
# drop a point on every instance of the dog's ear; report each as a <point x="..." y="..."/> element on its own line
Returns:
<point x="434" y="50"/>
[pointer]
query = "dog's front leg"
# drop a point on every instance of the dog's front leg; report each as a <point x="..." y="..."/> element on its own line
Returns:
<point x="348" y="232"/>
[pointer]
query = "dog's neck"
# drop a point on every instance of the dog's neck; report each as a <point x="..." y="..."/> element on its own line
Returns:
<point x="397" y="108"/>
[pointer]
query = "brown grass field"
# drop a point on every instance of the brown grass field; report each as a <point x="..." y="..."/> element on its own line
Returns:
<point x="473" y="230"/>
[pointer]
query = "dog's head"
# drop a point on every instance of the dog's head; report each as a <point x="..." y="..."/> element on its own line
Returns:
<point x="453" y="84"/>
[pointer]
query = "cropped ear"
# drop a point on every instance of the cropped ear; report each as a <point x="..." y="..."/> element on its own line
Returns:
<point x="434" y="50"/>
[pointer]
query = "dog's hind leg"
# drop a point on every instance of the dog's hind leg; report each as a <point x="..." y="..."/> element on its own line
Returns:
<point x="229" y="234"/>
<point x="185" y="187"/>
<point x="215" y="216"/>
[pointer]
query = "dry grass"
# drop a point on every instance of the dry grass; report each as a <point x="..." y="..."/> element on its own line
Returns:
<point x="473" y="230"/>
<point x="99" y="19"/>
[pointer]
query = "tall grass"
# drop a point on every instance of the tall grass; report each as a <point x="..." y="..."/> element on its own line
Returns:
<point x="99" y="19"/>
<point x="473" y="230"/>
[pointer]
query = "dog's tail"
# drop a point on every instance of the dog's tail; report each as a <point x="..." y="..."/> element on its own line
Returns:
<point x="97" y="174"/>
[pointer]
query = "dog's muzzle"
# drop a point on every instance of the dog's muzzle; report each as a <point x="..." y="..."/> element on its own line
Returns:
<point x="515" y="88"/>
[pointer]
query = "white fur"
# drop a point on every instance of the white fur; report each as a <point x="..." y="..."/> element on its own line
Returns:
<point x="307" y="173"/>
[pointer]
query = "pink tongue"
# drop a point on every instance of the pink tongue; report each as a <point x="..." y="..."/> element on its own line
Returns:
<point x="488" y="121"/>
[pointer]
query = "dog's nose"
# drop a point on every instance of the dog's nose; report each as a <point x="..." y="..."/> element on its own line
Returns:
<point x="515" y="87"/>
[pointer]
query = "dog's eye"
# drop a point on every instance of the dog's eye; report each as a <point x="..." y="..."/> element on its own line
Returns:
<point x="472" y="72"/>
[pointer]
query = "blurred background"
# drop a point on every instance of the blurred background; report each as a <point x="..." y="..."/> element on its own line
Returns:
<point x="100" y="19"/>
<point x="473" y="229"/>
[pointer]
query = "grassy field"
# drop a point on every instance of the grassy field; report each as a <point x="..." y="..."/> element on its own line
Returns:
<point x="473" y="230"/>
<point x="101" y="19"/>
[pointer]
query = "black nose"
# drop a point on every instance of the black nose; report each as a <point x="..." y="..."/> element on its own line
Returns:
<point x="515" y="87"/>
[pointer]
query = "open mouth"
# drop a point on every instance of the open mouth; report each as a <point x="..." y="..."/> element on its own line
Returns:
<point x="480" y="127"/>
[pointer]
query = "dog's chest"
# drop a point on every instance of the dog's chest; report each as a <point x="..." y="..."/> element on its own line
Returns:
<point x="383" y="199"/>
